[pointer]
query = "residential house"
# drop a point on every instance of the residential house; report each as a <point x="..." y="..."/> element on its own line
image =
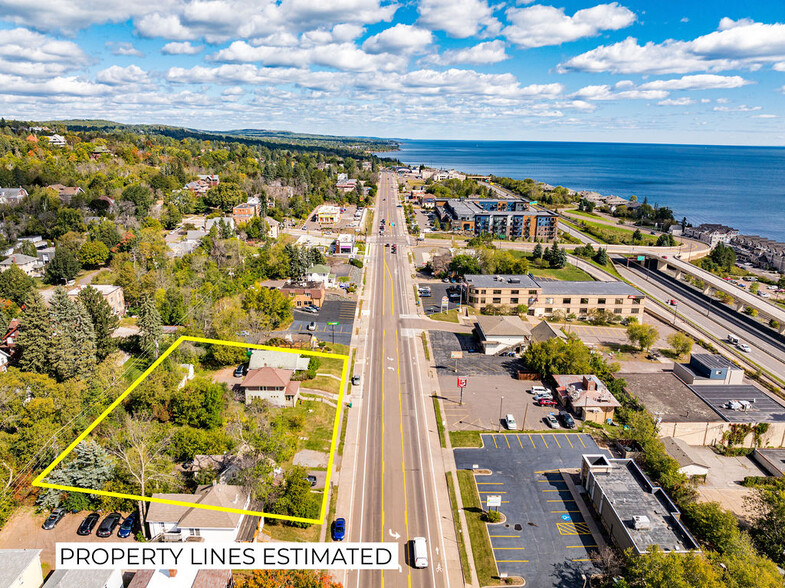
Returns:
<point x="31" y="138"/>
<point x="8" y="340"/>
<point x="242" y="213"/>
<point x="211" y="180"/>
<point x="29" y="265"/>
<point x="760" y="251"/>
<point x="112" y="294"/>
<point x="66" y="193"/>
<point x="173" y="522"/>
<point x="182" y="578"/>
<point x="273" y="227"/>
<point x="21" y="568"/>
<point x="320" y="274"/>
<point x="45" y="254"/>
<point x="56" y="140"/>
<point x="366" y="165"/>
<point x="12" y="196"/>
<point x="198" y="187"/>
<point x="691" y="464"/>
<point x="305" y="294"/>
<point x="271" y="384"/>
<point x="587" y="396"/>
<point x="328" y="215"/>
<point x="64" y="578"/>
<point x="499" y="334"/>
<point x="544" y="331"/>
<point x="346" y="185"/>
<point x="711" y="233"/>
<point x="99" y="151"/>
<point x="277" y="359"/>
<point x="5" y="358"/>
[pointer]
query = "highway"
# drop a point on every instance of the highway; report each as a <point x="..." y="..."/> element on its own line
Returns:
<point x="712" y="316"/>
<point x="395" y="491"/>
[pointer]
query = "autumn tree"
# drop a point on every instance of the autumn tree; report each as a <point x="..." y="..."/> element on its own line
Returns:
<point x="93" y="254"/>
<point x="680" y="343"/>
<point x="287" y="579"/>
<point x="644" y="336"/>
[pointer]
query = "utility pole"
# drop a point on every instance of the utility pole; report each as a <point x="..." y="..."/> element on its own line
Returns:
<point x="501" y="404"/>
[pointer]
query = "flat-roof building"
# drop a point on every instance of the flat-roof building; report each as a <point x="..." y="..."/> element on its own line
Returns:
<point x="636" y="513"/>
<point x="505" y="218"/>
<point x="706" y="369"/>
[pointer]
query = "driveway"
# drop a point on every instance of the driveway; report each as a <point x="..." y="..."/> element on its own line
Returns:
<point x="544" y="538"/>
<point x="332" y="311"/>
<point x="474" y="362"/>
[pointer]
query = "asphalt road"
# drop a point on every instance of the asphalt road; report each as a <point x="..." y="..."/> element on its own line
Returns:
<point x="395" y="491"/>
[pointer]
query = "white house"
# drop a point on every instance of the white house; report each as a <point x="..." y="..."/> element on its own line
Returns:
<point x="85" y="579"/>
<point x="56" y="140"/>
<point x="502" y="333"/>
<point x="21" y="568"/>
<point x="28" y="264"/>
<point x="271" y="384"/>
<point x="12" y="195"/>
<point x="4" y="359"/>
<point x="173" y="522"/>
<point x="320" y="273"/>
<point x="690" y="464"/>
<point x="273" y="227"/>
<point x="277" y="359"/>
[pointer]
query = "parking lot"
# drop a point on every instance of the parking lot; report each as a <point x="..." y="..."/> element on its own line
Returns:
<point x="474" y="362"/>
<point x="544" y="538"/>
<point x="338" y="311"/>
<point x="433" y="303"/>
<point x="346" y="222"/>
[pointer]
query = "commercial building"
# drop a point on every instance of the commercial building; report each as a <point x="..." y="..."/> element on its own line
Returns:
<point x="85" y="579"/>
<point x="305" y="294"/>
<point x="502" y="333"/>
<point x="544" y="298"/>
<point x="705" y="369"/>
<point x="636" y="513"/>
<point x="505" y="218"/>
<point x="328" y="215"/>
<point x="587" y="396"/>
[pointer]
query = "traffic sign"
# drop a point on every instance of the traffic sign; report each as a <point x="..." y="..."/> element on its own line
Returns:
<point x="495" y="500"/>
<point x="462" y="381"/>
<point x="641" y="258"/>
<point x="456" y="354"/>
<point x="332" y="324"/>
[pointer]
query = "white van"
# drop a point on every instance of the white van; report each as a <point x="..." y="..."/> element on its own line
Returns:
<point x="420" y="552"/>
<point x="733" y="339"/>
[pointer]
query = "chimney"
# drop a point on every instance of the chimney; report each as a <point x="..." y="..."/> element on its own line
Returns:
<point x="589" y="383"/>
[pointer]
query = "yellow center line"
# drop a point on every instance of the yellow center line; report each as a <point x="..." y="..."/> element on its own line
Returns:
<point x="544" y="441"/>
<point x="557" y="441"/>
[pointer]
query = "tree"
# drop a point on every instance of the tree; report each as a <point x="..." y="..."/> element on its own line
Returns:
<point x="141" y="197"/>
<point x="463" y="264"/>
<point x="15" y="285"/>
<point x="754" y="287"/>
<point x="637" y="236"/>
<point x="657" y="569"/>
<point x="558" y="258"/>
<point x="602" y="256"/>
<point x="537" y="252"/>
<point x="200" y="404"/>
<point x="225" y="196"/>
<point x="173" y="310"/>
<point x="150" y="327"/>
<point x="297" y="499"/>
<point x="63" y="267"/>
<point x="712" y="525"/>
<point x="68" y="220"/>
<point x="89" y="468"/>
<point x="680" y="343"/>
<point x="665" y="240"/>
<point x="35" y="335"/>
<point x="768" y="528"/>
<point x="724" y="256"/>
<point x="642" y="335"/>
<point x="93" y="254"/>
<point x="104" y="320"/>
<point x="72" y="351"/>
<point x="287" y="579"/>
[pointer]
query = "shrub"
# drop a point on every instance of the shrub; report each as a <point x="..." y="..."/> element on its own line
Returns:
<point x="492" y="516"/>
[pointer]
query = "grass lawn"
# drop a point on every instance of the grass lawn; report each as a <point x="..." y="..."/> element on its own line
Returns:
<point x="582" y="213"/>
<point x="317" y="420"/>
<point x="337" y="348"/>
<point x="451" y="316"/>
<point x="610" y="268"/>
<point x="617" y="234"/>
<point x="465" y="439"/>
<point x="439" y="424"/>
<point x="467" y="577"/>
<point x="342" y="438"/>
<point x="441" y="236"/>
<point x="324" y="383"/>
<point x="281" y="532"/>
<point x="128" y="321"/>
<point x="484" y="562"/>
<point x="425" y="346"/>
<point x="331" y="365"/>
<point x="570" y="273"/>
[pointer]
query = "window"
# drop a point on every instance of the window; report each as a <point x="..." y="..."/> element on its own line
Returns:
<point x="532" y="292"/>
<point x="482" y="301"/>
<point x="548" y="311"/>
<point x="482" y="291"/>
<point x="549" y="301"/>
<point x="497" y="291"/>
<point x="514" y="291"/>
<point x="497" y="300"/>
<point x="584" y="301"/>
<point x="567" y="301"/>
<point x="513" y="301"/>
<point x="617" y="311"/>
<point x="619" y="301"/>
<point x="634" y="310"/>
<point x="601" y="301"/>
<point x="195" y="532"/>
<point x="636" y="300"/>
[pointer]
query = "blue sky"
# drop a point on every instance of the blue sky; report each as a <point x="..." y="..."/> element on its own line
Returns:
<point x="675" y="72"/>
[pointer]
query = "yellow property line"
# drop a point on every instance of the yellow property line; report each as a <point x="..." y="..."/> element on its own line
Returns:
<point x="583" y="559"/>
<point x="39" y="481"/>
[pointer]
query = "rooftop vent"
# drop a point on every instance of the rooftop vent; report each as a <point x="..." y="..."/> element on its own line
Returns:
<point x="641" y="523"/>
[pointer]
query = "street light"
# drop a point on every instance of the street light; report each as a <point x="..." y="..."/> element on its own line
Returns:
<point x="501" y="404"/>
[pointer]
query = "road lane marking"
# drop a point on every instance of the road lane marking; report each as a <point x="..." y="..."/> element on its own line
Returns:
<point x="544" y="441"/>
<point x="583" y="559"/>
<point x="557" y="441"/>
<point x="577" y="546"/>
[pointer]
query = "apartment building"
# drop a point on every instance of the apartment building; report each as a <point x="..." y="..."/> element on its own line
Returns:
<point x="506" y="218"/>
<point x="547" y="297"/>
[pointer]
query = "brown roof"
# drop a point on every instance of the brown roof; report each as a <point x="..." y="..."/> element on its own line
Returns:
<point x="267" y="376"/>
<point x="503" y="326"/>
<point x="292" y="388"/>
<point x="141" y="579"/>
<point x="212" y="579"/>
<point x="222" y="495"/>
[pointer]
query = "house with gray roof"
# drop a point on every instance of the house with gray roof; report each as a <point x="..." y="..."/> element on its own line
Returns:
<point x="12" y="195"/>
<point x="277" y="359"/>
<point x="21" y="568"/>
<point x="85" y="579"/>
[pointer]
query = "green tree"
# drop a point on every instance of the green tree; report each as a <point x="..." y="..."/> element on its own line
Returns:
<point x="150" y="328"/>
<point x="768" y="528"/>
<point x="665" y="240"/>
<point x="225" y="196"/>
<point x="712" y="525"/>
<point x="558" y="257"/>
<point x="602" y="256"/>
<point x="89" y="468"/>
<point x="35" y="335"/>
<point x="680" y="343"/>
<point x="68" y="220"/>
<point x="200" y="404"/>
<point x="104" y="320"/>
<point x="537" y="252"/>
<point x="15" y="285"/>
<point x="642" y="335"/>
<point x="463" y="264"/>
<point x="93" y="254"/>
<point x="754" y="287"/>
<point x="723" y="256"/>
<point x="141" y="197"/>
<point x="72" y="351"/>
<point x="172" y="308"/>
<point x="657" y="569"/>
<point x="297" y="499"/>
<point x="63" y="267"/>
<point x="637" y="236"/>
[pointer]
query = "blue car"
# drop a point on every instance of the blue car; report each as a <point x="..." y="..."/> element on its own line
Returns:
<point x="339" y="529"/>
<point x="128" y="526"/>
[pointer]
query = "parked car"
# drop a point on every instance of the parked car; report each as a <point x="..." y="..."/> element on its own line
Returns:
<point x="312" y="326"/>
<point x="309" y="309"/>
<point x="53" y="518"/>
<point x="108" y="524"/>
<point x="551" y="420"/>
<point x="127" y="527"/>
<point x="538" y="390"/>
<point x="509" y="422"/>
<point x="507" y="354"/>
<point x="86" y="527"/>
<point x="239" y="372"/>
<point x="567" y="419"/>
<point x="545" y="402"/>
<point x="542" y="395"/>
<point x="338" y="530"/>
<point x="312" y="479"/>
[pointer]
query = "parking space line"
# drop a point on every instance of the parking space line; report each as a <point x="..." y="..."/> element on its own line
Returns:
<point x="508" y="441"/>
<point x="580" y="528"/>
<point x="544" y="441"/>
<point x="581" y="440"/>
<point x="490" y="483"/>
<point x="568" y="440"/>
<point x="583" y="559"/>
<point x="503" y="501"/>
<point x="557" y="441"/>
<point x="519" y="440"/>
<point x="532" y="440"/>
<point x="494" y="441"/>
<point x="509" y="548"/>
<point x="563" y="511"/>
<point x="491" y="492"/>
<point x="577" y="546"/>
<point x="545" y="471"/>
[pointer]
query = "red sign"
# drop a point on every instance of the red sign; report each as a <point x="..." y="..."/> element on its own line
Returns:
<point x="461" y="381"/>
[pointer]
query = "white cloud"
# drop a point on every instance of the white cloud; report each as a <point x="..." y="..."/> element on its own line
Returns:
<point x="458" y="18"/>
<point x="401" y="38"/>
<point x="685" y="19"/>
<point x="481" y="54"/>
<point x="126" y="49"/>
<point x="54" y="87"/>
<point x="683" y="101"/>
<point x="739" y="108"/>
<point x="184" y="48"/>
<point x="540" y="26"/>
<point x="604" y="92"/>
<point x="736" y="44"/>
<point x="764" y="116"/>
<point x="780" y="66"/>
<point x="121" y="76"/>
<point x="69" y="16"/>
<point x="32" y="54"/>
<point x="697" y="82"/>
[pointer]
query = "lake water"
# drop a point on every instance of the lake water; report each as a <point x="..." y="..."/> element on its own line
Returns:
<point x="742" y="187"/>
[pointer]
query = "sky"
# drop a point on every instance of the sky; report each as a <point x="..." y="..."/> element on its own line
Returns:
<point x="630" y="71"/>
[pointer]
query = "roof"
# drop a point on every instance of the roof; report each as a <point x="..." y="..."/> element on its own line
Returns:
<point x="600" y="396"/>
<point x="277" y="359"/>
<point x="104" y="289"/>
<point x="544" y="331"/>
<point x="763" y="408"/>
<point x="318" y="268"/>
<point x="665" y="395"/>
<point x="712" y="361"/>
<point x="81" y="578"/>
<point x="16" y="561"/>
<point x="18" y="259"/>
<point x="212" y="579"/>
<point x="267" y="376"/>
<point x="507" y="281"/>
<point x="588" y="288"/>
<point x="222" y="495"/>
<point x="502" y="326"/>
<point x="683" y="453"/>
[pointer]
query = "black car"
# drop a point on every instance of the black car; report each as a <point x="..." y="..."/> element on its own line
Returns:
<point x="53" y="519"/>
<point x="311" y="479"/>
<point x="108" y="524"/>
<point x="567" y="419"/>
<point x="240" y="371"/>
<point x="87" y="525"/>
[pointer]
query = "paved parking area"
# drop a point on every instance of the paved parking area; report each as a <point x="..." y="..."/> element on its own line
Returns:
<point x="433" y="303"/>
<point x="544" y="538"/>
<point x="474" y="362"/>
<point x="340" y="311"/>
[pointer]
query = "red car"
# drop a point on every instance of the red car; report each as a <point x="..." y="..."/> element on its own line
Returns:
<point x="545" y="402"/>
